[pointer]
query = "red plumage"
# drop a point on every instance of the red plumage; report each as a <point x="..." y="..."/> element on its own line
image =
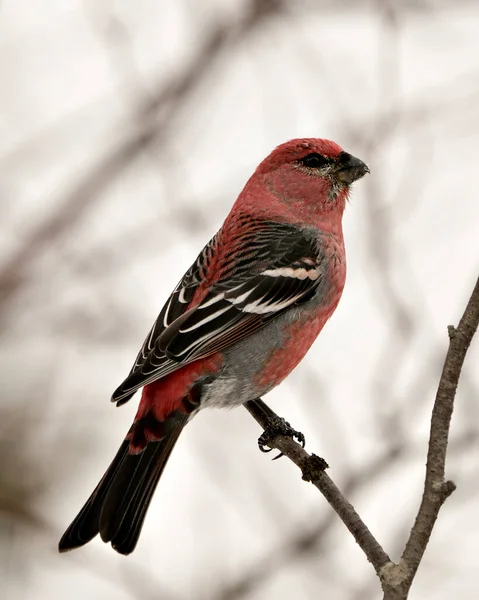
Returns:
<point x="165" y="396"/>
<point x="238" y="322"/>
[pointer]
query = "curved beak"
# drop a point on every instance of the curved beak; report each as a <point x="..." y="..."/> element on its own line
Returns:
<point x="349" y="168"/>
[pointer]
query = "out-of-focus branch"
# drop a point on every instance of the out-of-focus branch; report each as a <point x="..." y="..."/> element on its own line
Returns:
<point x="312" y="469"/>
<point x="396" y="579"/>
<point x="151" y="123"/>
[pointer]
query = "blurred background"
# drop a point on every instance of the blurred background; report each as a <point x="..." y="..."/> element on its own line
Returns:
<point x="127" y="129"/>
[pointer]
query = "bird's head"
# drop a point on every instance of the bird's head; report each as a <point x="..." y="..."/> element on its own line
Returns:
<point x="310" y="176"/>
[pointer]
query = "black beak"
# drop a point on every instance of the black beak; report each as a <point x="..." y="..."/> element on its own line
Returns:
<point x="350" y="168"/>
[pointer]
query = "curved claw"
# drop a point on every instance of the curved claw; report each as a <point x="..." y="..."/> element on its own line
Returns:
<point x="278" y="426"/>
<point x="300" y="438"/>
<point x="264" y="448"/>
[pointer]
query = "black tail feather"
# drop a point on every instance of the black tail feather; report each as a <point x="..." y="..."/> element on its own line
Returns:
<point x="118" y="505"/>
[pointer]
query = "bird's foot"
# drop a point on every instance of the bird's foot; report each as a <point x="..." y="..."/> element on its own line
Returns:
<point x="278" y="426"/>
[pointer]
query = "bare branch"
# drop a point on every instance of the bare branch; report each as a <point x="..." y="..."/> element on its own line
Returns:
<point x="312" y="468"/>
<point x="396" y="579"/>
<point x="436" y="488"/>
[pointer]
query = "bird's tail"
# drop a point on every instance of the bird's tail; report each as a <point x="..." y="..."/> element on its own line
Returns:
<point x="118" y="505"/>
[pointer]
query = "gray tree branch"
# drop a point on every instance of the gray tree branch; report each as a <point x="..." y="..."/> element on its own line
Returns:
<point x="436" y="488"/>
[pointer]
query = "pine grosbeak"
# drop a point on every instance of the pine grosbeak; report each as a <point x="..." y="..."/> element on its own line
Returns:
<point x="239" y="321"/>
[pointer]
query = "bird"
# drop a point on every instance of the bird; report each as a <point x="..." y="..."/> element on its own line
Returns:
<point x="239" y="321"/>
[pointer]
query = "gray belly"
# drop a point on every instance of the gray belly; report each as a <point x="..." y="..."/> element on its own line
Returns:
<point x="237" y="382"/>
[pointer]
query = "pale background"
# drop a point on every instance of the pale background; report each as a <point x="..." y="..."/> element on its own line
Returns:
<point x="126" y="131"/>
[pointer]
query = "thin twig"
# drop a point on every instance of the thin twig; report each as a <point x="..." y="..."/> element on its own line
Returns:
<point x="436" y="488"/>
<point x="312" y="469"/>
<point x="396" y="579"/>
<point x="311" y="540"/>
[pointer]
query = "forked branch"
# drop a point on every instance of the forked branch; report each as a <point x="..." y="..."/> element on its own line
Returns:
<point x="396" y="579"/>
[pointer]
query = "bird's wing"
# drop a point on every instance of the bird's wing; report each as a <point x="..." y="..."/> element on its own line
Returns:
<point x="177" y="304"/>
<point x="273" y="267"/>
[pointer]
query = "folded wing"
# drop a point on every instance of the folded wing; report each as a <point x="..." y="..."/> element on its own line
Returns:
<point x="270" y="272"/>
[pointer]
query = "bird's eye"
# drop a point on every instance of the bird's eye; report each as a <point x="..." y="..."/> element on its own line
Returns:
<point x="314" y="161"/>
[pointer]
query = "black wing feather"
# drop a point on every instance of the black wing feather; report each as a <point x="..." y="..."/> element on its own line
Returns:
<point x="272" y="267"/>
